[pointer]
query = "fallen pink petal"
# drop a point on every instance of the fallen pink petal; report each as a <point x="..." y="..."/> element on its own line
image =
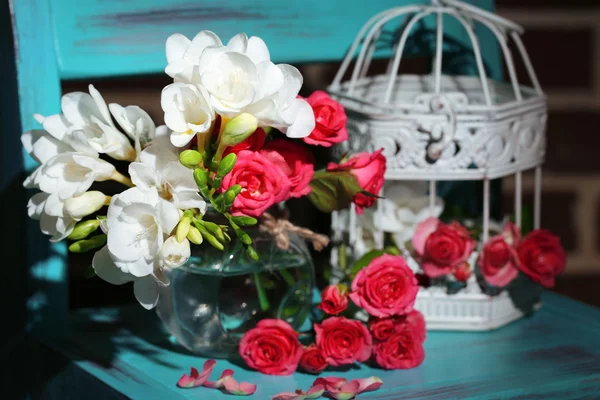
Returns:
<point x="346" y="392"/>
<point x="330" y="383"/>
<point x="314" y="392"/>
<point x="196" y="379"/>
<point x="239" y="389"/>
<point x="219" y="383"/>
<point x="368" y="384"/>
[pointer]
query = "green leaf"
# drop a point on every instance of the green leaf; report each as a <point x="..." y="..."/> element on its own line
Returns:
<point x="364" y="261"/>
<point x="333" y="190"/>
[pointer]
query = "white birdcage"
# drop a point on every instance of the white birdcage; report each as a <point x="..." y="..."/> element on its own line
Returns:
<point x="437" y="127"/>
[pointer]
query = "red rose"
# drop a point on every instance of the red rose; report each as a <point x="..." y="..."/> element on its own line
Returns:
<point x="369" y="171"/>
<point x="386" y="287"/>
<point x="253" y="142"/>
<point x="330" y="119"/>
<point x="312" y="360"/>
<point x="271" y="348"/>
<point x="441" y="248"/>
<point x="297" y="163"/>
<point x="402" y="350"/>
<point x="334" y="299"/>
<point x="381" y="328"/>
<point x="402" y="347"/>
<point x="263" y="184"/>
<point x="498" y="262"/>
<point x="541" y="257"/>
<point x="343" y="341"/>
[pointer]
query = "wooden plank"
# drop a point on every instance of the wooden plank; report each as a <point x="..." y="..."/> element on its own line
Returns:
<point x="553" y="355"/>
<point x="38" y="86"/>
<point x="113" y="37"/>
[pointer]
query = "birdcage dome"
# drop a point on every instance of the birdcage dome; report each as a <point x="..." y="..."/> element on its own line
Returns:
<point x="440" y="126"/>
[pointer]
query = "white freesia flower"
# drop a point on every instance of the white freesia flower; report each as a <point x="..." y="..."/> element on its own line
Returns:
<point x="187" y="111"/>
<point x="54" y="220"/>
<point x="159" y="168"/>
<point x="69" y="174"/>
<point x="86" y="125"/>
<point x="145" y="288"/>
<point x="137" y="221"/>
<point x="85" y="204"/>
<point x="175" y="254"/>
<point x="240" y="77"/>
<point x="136" y="123"/>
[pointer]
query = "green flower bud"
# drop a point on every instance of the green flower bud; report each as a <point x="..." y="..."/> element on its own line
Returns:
<point x="182" y="229"/>
<point x="226" y="165"/>
<point x="252" y="253"/>
<point x="244" y="237"/>
<point x="238" y="129"/>
<point x="190" y="158"/>
<point x="201" y="178"/>
<point x="245" y="221"/>
<point x="194" y="235"/>
<point x="215" y="230"/>
<point x="92" y="243"/>
<point x="83" y="229"/>
<point x="237" y="189"/>
<point x="210" y="238"/>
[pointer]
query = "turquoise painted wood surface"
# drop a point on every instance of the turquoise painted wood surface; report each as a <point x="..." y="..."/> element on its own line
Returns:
<point x="55" y="40"/>
<point x="554" y="354"/>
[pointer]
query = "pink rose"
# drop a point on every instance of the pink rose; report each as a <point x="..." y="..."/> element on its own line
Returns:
<point x="403" y="348"/>
<point x="441" y="248"/>
<point x="253" y="142"/>
<point x="313" y="361"/>
<point x="263" y="184"/>
<point x="369" y="171"/>
<point x="334" y="299"/>
<point x="271" y="348"/>
<point x="297" y="163"/>
<point x="343" y="341"/>
<point x="386" y="287"/>
<point x="330" y="119"/>
<point x="498" y="259"/>
<point x="541" y="257"/>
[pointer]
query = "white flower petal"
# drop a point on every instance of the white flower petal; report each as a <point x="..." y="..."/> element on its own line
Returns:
<point x="42" y="146"/>
<point x="101" y="105"/>
<point x="199" y="43"/>
<point x="271" y="78"/>
<point x="302" y="115"/>
<point x="168" y="216"/>
<point x="106" y="269"/>
<point x="176" y="46"/>
<point x="36" y="204"/>
<point x="143" y="176"/>
<point x="238" y="43"/>
<point x="146" y="292"/>
<point x="56" y="125"/>
<point x="257" y="50"/>
<point x="185" y="200"/>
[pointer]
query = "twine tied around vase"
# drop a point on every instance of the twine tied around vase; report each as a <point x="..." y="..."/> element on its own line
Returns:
<point x="280" y="228"/>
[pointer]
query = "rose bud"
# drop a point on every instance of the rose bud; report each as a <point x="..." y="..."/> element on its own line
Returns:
<point x="462" y="273"/>
<point x="312" y="360"/>
<point x="334" y="299"/>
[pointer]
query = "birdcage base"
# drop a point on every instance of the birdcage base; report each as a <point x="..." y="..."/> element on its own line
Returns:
<point x="466" y="311"/>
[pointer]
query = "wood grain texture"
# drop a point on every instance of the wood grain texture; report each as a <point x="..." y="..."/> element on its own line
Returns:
<point x="38" y="84"/>
<point x="553" y="355"/>
<point x="113" y="37"/>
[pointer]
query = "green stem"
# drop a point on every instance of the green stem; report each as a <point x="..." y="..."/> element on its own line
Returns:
<point x="287" y="277"/>
<point x="262" y="295"/>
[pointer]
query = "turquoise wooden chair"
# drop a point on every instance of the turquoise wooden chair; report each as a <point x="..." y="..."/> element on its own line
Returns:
<point x="56" y="40"/>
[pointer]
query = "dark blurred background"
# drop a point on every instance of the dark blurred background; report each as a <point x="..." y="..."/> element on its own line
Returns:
<point x="563" y="39"/>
